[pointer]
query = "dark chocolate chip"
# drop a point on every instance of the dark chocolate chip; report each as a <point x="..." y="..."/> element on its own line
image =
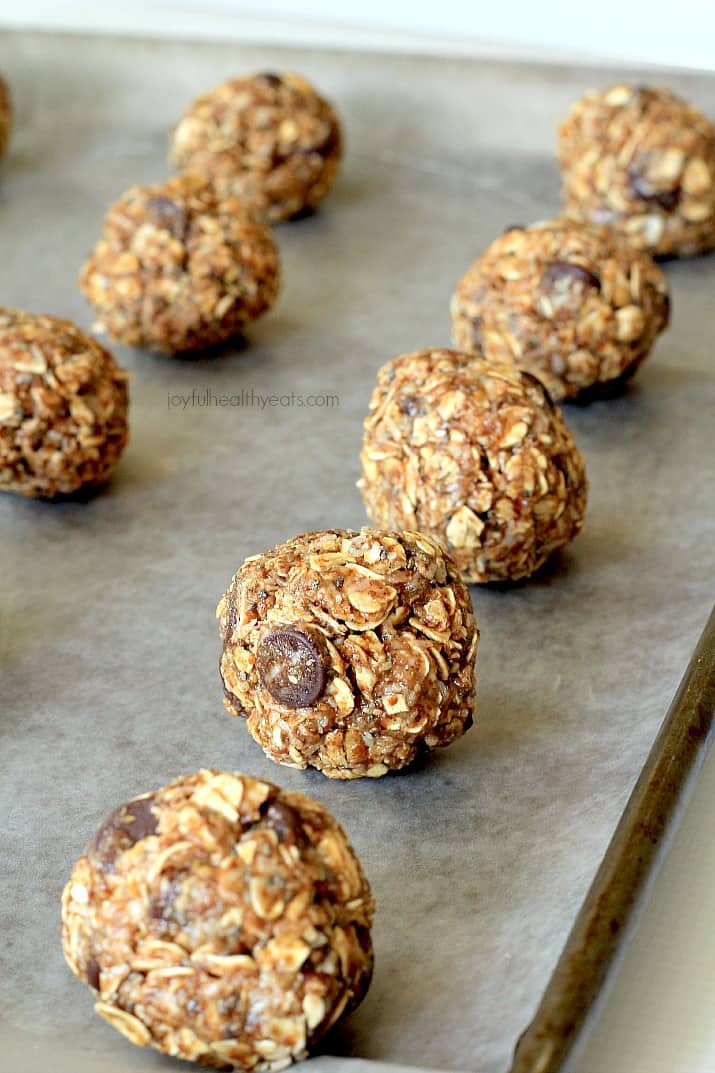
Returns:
<point x="92" y="974"/>
<point x="535" y="382"/>
<point x="565" y="274"/>
<point x="327" y="148"/>
<point x="290" y="666"/>
<point x="409" y="405"/>
<point x="513" y="227"/>
<point x="272" y="79"/>
<point x="476" y="333"/>
<point x="234" y="706"/>
<point x="124" y="827"/>
<point x="468" y="723"/>
<point x="665" y="199"/>
<point x="285" y="821"/>
<point x="165" y="213"/>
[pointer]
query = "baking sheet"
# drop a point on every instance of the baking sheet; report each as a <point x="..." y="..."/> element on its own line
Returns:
<point x="480" y="859"/>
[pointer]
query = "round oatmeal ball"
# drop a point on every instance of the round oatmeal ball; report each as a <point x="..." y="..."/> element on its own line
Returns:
<point x="641" y="160"/>
<point x="222" y="920"/>
<point x="63" y="407"/>
<point x="350" y="652"/>
<point x="476" y="455"/>
<point x="5" y="115"/>
<point x="177" y="270"/>
<point x="269" y="139"/>
<point x="570" y="303"/>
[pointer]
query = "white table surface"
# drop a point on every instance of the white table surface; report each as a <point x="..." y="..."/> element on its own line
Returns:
<point x="515" y="29"/>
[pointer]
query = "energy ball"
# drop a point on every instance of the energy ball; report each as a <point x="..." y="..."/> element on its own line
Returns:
<point x="269" y="139"/>
<point x="177" y="270"/>
<point x="5" y="115"/>
<point x="350" y="652"/>
<point x="476" y="455"/>
<point x="221" y="920"/>
<point x="63" y="407"/>
<point x="570" y="303"/>
<point x="641" y="160"/>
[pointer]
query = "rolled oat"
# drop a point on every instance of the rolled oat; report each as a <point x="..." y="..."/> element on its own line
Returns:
<point x="269" y="139"/>
<point x="63" y="406"/>
<point x="221" y="920"/>
<point x="350" y="652"/>
<point x="571" y="303"/>
<point x="474" y="454"/>
<point x="641" y="160"/>
<point x="178" y="270"/>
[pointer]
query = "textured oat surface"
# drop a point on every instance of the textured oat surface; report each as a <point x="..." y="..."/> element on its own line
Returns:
<point x="351" y="652"/>
<point x="476" y="454"/>
<point x="270" y="139"/>
<point x="642" y="160"/>
<point x="567" y="302"/>
<point x="109" y="643"/>
<point x="177" y="269"/>
<point x="221" y="920"/>
<point x="63" y="406"/>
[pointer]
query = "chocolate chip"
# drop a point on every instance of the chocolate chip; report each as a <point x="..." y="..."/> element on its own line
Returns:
<point x="291" y="667"/>
<point x="124" y="827"/>
<point x="233" y="705"/>
<point x="326" y="148"/>
<point x="271" y="79"/>
<point x="513" y="227"/>
<point x="410" y="406"/>
<point x="560" y="275"/>
<point x="535" y="382"/>
<point x="92" y="974"/>
<point x="166" y="214"/>
<point x="665" y="199"/>
<point x="285" y="821"/>
<point x="476" y="333"/>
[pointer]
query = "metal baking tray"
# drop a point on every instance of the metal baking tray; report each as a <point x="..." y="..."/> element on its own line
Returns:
<point x="481" y="858"/>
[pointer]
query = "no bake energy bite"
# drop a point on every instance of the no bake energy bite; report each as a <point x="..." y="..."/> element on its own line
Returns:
<point x="474" y="454"/>
<point x="63" y="407"/>
<point x="352" y="652"/>
<point x="5" y="115"/>
<point x="570" y="303"/>
<point x="221" y="920"/>
<point x="178" y="270"/>
<point x="641" y="160"/>
<point x="270" y="139"/>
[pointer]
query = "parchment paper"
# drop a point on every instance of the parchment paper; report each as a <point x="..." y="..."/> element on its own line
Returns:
<point x="109" y="686"/>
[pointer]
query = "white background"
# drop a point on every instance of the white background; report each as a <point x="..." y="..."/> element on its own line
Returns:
<point x="642" y="31"/>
